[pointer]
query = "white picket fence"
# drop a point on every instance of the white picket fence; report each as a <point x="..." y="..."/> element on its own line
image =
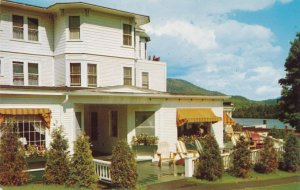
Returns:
<point x="103" y="170"/>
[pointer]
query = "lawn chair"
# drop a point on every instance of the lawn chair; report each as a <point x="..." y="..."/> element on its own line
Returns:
<point x="164" y="154"/>
<point x="257" y="141"/>
<point x="182" y="150"/>
<point x="248" y="137"/>
<point x="199" y="147"/>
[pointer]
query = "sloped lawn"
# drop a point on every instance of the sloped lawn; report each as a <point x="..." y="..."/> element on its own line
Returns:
<point x="254" y="177"/>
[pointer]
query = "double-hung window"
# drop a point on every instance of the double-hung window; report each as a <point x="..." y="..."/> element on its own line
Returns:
<point x="127" y="74"/>
<point x="127" y="34"/>
<point x="74" y="27"/>
<point x="33" y="29"/>
<point x="75" y="74"/>
<point x="33" y="74"/>
<point x="18" y="27"/>
<point x="145" y="80"/>
<point x="92" y="75"/>
<point x="18" y="73"/>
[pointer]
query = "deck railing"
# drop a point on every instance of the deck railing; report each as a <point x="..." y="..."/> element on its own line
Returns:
<point x="103" y="170"/>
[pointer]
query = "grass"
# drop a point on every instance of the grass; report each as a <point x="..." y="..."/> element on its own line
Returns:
<point x="288" y="186"/>
<point x="39" y="187"/>
<point x="254" y="177"/>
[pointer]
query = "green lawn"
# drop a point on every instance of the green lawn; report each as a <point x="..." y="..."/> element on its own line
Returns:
<point x="289" y="186"/>
<point x="254" y="177"/>
<point x="39" y="187"/>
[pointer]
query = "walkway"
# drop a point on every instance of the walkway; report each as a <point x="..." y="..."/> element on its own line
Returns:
<point x="188" y="185"/>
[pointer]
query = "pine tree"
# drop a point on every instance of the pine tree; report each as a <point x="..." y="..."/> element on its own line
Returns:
<point x="210" y="161"/>
<point x="12" y="158"/>
<point x="290" y="94"/>
<point x="241" y="163"/>
<point x="57" y="164"/>
<point x="123" y="166"/>
<point x="291" y="155"/>
<point x="268" y="161"/>
<point x="82" y="170"/>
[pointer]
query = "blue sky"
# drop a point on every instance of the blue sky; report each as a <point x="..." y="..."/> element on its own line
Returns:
<point x="237" y="47"/>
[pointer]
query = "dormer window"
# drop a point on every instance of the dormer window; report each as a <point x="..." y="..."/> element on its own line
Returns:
<point x="33" y="29"/>
<point x="18" y="27"/>
<point x="74" y="27"/>
<point x="127" y="35"/>
<point x="75" y="74"/>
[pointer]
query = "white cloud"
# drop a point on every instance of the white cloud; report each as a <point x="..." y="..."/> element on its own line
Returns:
<point x="267" y="90"/>
<point x="203" y="38"/>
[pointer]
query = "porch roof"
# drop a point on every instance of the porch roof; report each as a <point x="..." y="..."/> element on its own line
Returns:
<point x="114" y="91"/>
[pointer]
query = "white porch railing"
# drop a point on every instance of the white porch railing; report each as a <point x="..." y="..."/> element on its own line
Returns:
<point x="103" y="170"/>
<point x="226" y="160"/>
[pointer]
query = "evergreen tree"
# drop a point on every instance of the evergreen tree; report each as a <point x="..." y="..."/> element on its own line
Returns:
<point x="268" y="161"/>
<point x="123" y="166"/>
<point x="291" y="155"/>
<point x="57" y="164"/>
<point x="210" y="161"/>
<point x="82" y="170"/>
<point x="241" y="163"/>
<point x="12" y="158"/>
<point x="290" y="94"/>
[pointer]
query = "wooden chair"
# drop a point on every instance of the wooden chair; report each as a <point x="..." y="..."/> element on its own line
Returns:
<point x="164" y="154"/>
<point x="182" y="150"/>
<point x="199" y="147"/>
<point x="257" y="141"/>
<point x="248" y="136"/>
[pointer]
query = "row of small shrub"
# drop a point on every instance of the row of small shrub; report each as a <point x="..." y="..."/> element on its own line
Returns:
<point x="61" y="168"/>
<point x="210" y="165"/>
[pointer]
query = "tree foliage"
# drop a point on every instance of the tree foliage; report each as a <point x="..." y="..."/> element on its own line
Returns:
<point x="290" y="94"/>
<point x="123" y="166"/>
<point x="268" y="161"/>
<point x="210" y="161"/>
<point x="241" y="163"/>
<point x="257" y="111"/>
<point x="82" y="169"/>
<point x="12" y="158"/>
<point x="57" y="165"/>
<point x="291" y="155"/>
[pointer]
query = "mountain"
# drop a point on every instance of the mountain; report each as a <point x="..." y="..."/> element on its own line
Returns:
<point x="179" y="86"/>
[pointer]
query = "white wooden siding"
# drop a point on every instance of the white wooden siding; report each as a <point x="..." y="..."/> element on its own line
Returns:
<point x="60" y="27"/>
<point x="157" y="74"/>
<point x="45" y="67"/>
<point x="45" y="44"/>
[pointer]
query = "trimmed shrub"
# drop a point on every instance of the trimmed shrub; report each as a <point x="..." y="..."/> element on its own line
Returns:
<point x="291" y="155"/>
<point x="12" y="158"/>
<point x="82" y="168"/>
<point x="268" y="161"/>
<point x="210" y="161"/>
<point x="277" y="133"/>
<point x="57" y="164"/>
<point x="123" y="166"/>
<point x="241" y="162"/>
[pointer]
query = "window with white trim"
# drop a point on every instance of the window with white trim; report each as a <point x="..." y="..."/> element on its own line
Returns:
<point x="127" y="34"/>
<point x="30" y="129"/>
<point x="33" y="74"/>
<point x="18" y="73"/>
<point x="74" y="27"/>
<point x="114" y="123"/>
<point x="145" y="123"/>
<point x="92" y="75"/>
<point x="127" y="75"/>
<point x="75" y="74"/>
<point x="18" y="27"/>
<point x="145" y="80"/>
<point x="33" y="29"/>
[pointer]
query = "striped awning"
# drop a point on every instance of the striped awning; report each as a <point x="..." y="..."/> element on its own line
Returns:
<point x="192" y="115"/>
<point x="227" y="119"/>
<point x="45" y="113"/>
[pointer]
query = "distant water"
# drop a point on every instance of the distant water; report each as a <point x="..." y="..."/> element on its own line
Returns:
<point x="270" y="122"/>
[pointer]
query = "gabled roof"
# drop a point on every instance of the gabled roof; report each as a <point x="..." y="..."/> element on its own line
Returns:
<point x="140" y="19"/>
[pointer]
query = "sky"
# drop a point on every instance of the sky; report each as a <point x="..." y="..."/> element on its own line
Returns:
<point x="237" y="47"/>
